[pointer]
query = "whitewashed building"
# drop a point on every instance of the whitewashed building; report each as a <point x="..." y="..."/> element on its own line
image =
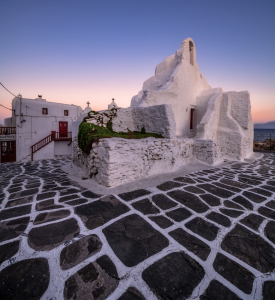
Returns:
<point x="38" y="129"/>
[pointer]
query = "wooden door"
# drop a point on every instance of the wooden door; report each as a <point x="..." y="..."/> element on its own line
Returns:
<point x="8" y="151"/>
<point x="63" y="129"/>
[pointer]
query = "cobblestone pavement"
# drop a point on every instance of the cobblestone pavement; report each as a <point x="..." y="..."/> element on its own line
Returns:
<point x="206" y="235"/>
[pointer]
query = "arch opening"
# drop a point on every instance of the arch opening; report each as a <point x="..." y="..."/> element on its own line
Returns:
<point x="191" y="53"/>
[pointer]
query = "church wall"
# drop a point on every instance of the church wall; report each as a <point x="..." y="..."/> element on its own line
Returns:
<point x="76" y="123"/>
<point x="154" y="119"/>
<point x="227" y="122"/>
<point x="177" y="82"/>
<point x="115" y="161"/>
<point x="222" y="127"/>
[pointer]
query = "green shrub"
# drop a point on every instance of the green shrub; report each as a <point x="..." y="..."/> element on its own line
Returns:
<point x="89" y="133"/>
<point x="142" y="130"/>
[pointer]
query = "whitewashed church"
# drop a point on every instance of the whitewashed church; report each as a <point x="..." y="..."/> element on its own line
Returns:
<point x="197" y="122"/>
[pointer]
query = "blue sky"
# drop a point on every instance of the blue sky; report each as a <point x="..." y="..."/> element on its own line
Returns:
<point x="75" y="51"/>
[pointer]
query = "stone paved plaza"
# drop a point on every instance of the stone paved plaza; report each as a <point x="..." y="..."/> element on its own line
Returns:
<point x="205" y="235"/>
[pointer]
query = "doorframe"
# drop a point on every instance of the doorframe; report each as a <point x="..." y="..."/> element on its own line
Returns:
<point x="66" y="126"/>
<point x="8" y="150"/>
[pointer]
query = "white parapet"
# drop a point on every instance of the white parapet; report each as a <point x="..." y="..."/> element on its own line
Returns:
<point x="114" y="161"/>
<point x="153" y="119"/>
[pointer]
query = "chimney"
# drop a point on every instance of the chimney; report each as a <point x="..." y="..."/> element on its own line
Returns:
<point x="40" y="98"/>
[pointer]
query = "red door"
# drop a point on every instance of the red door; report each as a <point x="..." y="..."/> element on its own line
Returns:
<point x="63" y="129"/>
<point x="8" y="151"/>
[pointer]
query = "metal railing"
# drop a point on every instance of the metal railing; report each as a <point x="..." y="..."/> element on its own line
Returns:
<point x="41" y="144"/>
<point x="62" y="136"/>
<point x="7" y="130"/>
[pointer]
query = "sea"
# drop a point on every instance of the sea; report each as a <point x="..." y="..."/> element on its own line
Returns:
<point x="260" y="135"/>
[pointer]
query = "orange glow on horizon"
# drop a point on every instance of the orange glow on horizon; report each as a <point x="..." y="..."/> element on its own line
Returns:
<point x="100" y="95"/>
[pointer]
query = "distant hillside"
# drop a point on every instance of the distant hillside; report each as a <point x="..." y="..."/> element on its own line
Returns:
<point x="268" y="125"/>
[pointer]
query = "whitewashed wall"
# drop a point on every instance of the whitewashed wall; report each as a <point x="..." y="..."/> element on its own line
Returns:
<point x="114" y="161"/>
<point x="228" y="124"/>
<point x="155" y="119"/>
<point x="176" y="82"/>
<point x="37" y="126"/>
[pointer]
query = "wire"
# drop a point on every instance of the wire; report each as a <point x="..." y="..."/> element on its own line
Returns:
<point x="44" y="115"/>
<point x="39" y="111"/>
<point x="5" y="107"/>
<point x="7" y="90"/>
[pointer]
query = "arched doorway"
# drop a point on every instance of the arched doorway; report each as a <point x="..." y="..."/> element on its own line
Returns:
<point x="191" y="53"/>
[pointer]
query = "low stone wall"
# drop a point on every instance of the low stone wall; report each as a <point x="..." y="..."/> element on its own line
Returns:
<point x="79" y="158"/>
<point x="154" y="119"/>
<point x="207" y="151"/>
<point x="114" y="161"/>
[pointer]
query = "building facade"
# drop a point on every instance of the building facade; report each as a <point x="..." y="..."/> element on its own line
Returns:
<point x="38" y="129"/>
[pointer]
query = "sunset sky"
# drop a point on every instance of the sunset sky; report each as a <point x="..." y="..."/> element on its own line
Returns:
<point x="77" y="51"/>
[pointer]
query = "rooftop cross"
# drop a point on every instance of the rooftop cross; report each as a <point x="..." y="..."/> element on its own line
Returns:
<point x="113" y="99"/>
<point x="88" y="103"/>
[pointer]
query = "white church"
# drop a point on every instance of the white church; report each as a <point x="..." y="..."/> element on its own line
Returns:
<point x="197" y="122"/>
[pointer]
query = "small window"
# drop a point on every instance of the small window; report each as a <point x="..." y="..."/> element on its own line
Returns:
<point x="44" y="111"/>
<point x="66" y="112"/>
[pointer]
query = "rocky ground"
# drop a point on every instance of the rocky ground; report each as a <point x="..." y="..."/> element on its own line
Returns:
<point x="267" y="145"/>
<point x="205" y="235"/>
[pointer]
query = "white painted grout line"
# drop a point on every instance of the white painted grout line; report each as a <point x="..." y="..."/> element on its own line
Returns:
<point x="133" y="276"/>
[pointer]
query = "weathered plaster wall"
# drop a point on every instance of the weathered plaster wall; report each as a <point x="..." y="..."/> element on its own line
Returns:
<point x="177" y="82"/>
<point x="202" y="102"/>
<point x="219" y="136"/>
<point x="207" y="128"/>
<point x="158" y="119"/>
<point x="241" y="112"/>
<point x="124" y="120"/>
<point x="79" y="158"/>
<point x="207" y="151"/>
<point x="37" y="126"/>
<point x="115" y="161"/>
<point x="155" y="119"/>
<point x="46" y="152"/>
<point x="76" y="123"/>
<point x="8" y="122"/>
<point x="62" y="148"/>
<point x="228" y="123"/>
